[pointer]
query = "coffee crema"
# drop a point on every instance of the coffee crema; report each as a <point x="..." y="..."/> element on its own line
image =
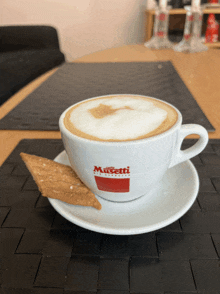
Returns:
<point x="120" y="118"/>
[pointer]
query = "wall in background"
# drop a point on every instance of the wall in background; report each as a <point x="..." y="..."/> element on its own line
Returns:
<point x="84" y="26"/>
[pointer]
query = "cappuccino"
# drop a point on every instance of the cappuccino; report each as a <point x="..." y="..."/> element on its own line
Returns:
<point x="120" y="118"/>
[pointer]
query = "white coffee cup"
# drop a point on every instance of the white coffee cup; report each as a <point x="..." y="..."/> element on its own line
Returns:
<point x="126" y="170"/>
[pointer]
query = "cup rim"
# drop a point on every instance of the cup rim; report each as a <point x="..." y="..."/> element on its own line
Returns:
<point x="64" y="130"/>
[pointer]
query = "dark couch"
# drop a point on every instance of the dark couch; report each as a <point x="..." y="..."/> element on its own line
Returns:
<point x="26" y="52"/>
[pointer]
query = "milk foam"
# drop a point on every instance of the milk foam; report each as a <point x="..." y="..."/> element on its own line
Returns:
<point x="124" y="124"/>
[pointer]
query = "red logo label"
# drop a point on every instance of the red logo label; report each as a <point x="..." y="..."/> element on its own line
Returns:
<point x="111" y="179"/>
<point x="162" y="16"/>
<point x="190" y="18"/>
<point x="187" y="36"/>
<point x="160" y="34"/>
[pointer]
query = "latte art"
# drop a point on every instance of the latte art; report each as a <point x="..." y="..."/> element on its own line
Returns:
<point x="119" y="118"/>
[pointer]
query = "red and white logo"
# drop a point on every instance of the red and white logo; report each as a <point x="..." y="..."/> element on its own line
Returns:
<point x="111" y="179"/>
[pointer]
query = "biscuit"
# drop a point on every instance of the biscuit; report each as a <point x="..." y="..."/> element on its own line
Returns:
<point x="59" y="181"/>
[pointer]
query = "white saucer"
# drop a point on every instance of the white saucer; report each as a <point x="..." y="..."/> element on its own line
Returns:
<point x="171" y="199"/>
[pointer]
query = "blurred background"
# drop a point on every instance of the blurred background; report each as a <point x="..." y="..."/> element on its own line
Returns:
<point x="83" y="26"/>
<point x="86" y="26"/>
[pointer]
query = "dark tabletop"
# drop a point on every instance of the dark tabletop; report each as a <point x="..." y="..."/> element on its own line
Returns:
<point x="43" y="253"/>
<point x="74" y="82"/>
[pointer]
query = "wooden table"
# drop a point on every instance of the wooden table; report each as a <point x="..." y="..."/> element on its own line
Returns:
<point x="199" y="71"/>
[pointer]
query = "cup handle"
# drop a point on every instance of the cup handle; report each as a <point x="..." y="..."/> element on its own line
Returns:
<point x="185" y="130"/>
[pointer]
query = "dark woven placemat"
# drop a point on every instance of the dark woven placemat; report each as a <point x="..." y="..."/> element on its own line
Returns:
<point x="74" y="82"/>
<point x="43" y="253"/>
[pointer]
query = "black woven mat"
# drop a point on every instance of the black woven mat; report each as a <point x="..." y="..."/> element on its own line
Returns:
<point x="42" y="253"/>
<point x="74" y="82"/>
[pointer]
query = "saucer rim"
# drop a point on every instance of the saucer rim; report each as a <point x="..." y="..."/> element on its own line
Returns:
<point x="132" y="231"/>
